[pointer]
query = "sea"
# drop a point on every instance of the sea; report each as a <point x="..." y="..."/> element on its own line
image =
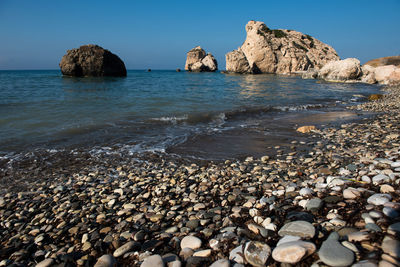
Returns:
<point x="210" y="116"/>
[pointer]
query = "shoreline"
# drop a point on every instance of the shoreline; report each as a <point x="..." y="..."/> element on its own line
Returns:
<point x="148" y="206"/>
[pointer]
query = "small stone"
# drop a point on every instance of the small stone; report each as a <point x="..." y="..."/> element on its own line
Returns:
<point x="236" y="255"/>
<point x="373" y="227"/>
<point x="256" y="253"/>
<point x="45" y="263"/>
<point x="364" y="263"/>
<point x="380" y="178"/>
<point x="386" y="188"/>
<point x="197" y="262"/>
<point x="298" y="228"/>
<point x="220" y="263"/>
<point x="358" y="236"/>
<point x="86" y="246"/>
<point x="191" y="242"/>
<point x="293" y="252"/>
<point x="306" y="191"/>
<point x="156" y="217"/>
<point x="287" y="238"/>
<point x="306" y="129"/>
<point x="124" y="249"/>
<point x="390" y="212"/>
<point x="334" y="254"/>
<point x="391" y="247"/>
<point x="153" y="261"/>
<point x="202" y="253"/>
<point x="105" y="261"/>
<point x="314" y="204"/>
<point x="379" y="199"/>
<point x="351" y="193"/>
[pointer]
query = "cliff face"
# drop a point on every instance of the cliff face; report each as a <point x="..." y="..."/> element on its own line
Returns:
<point x="278" y="51"/>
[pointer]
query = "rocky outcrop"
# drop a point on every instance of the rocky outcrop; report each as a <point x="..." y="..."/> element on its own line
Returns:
<point x="92" y="60"/>
<point x="341" y="70"/>
<point x="350" y="70"/>
<point x="198" y="61"/>
<point x="278" y="51"/>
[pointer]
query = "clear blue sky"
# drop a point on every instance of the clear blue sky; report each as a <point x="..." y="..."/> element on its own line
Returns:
<point x="35" y="34"/>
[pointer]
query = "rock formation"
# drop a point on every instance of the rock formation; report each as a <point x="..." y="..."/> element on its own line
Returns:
<point x="341" y="70"/>
<point x="91" y="60"/>
<point x="350" y="70"/>
<point x="278" y="51"/>
<point x="198" y="61"/>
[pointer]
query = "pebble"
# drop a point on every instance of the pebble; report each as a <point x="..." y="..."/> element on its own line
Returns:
<point x="153" y="261"/>
<point x="298" y="228"/>
<point x="236" y="255"/>
<point x="358" y="236"/>
<point x="105" y="261"/>
<point x="380" y="179"/>
<point x="202" y="253"/>
<point x="124" y="249"/>
<point x="394" y="229"/>
<point x="391" y="247"/>
<point x="191" y="242"/>
<point x="220" y="263"/>
<point x="257" y="253"/>
<point x="45" y="263"/>
<point x="379" y="199"/>
<point x="293" y="252"/>
<point x="351" y="193"/>
<point x="306" y="191"/>
<point x="314" y="204"/>
<point x="333" y="253"/>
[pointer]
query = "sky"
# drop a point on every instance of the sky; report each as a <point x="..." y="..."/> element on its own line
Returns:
<point x="158" y="34"/>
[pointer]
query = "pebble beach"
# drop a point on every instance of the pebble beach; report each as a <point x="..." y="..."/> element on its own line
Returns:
<point x="336" y="204"/>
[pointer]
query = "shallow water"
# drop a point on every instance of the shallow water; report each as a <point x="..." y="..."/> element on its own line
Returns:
<point x="154" y="111"/>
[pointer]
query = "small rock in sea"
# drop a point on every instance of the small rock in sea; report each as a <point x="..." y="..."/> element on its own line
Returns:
<point x="153" y="261"/>
<point x="236" y="255"/>
<point x="298" y="228"/>
<point x="379" y="199"/>
<point x="191" y="242"/>
<point x="45" y="263"/>
<point x="293" y="252"/>
<point x="306" y="129"/>
<point x="220" y="263"/>
<point x="105" y="261"/>
<point x="256" y="253"/>
<point x="124" y="248"/>
<point x="333" y="253"/>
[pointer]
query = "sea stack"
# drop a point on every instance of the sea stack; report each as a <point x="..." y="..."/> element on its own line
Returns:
<point x="278" y="51"/>
<point x="198" y="61"/>
<point x="92" y="61"/>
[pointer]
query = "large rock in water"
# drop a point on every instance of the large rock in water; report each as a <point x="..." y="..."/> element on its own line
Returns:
<point x="198" y="61"/>
<point x="278" y="51"/>
<point x="92" y="60"/>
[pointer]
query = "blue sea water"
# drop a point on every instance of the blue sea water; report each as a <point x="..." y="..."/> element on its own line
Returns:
<point x="150" y="111"/>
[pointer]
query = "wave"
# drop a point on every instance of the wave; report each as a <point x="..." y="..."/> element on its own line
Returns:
<point x="219" y="118"/>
